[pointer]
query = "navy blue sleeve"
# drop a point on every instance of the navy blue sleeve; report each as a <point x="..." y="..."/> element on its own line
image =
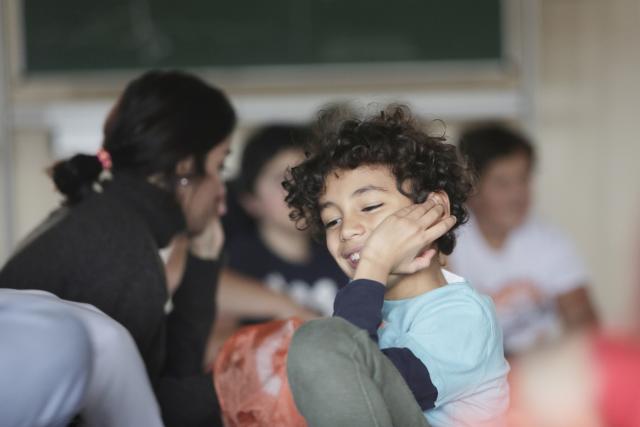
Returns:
<point x="415" y="374"/>
<point x="189" y="323"/>
<point x="360" y="302"/>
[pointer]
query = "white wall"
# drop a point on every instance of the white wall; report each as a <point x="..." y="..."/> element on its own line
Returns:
<point x="588" y="114"/>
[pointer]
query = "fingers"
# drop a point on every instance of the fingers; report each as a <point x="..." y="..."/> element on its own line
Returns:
<point x="402" y="213"/>
<point x="438" y="230"/>
<point x="431" y="217"/>
<point x="207" y="244"/>
<point x="423" y="260"/>
<point x="419" y="262"/>
<point x="417" y="211"/>
<point x="426" y="213"/>
<point x="414" y="211"/>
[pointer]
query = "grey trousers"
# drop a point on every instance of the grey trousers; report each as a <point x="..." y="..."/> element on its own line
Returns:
<point x="339" y="377"/>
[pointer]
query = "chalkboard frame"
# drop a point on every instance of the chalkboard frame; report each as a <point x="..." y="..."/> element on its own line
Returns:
<point x="289" y="78"/>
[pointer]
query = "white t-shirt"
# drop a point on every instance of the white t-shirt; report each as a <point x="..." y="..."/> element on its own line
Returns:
<point x="534" y="254"/>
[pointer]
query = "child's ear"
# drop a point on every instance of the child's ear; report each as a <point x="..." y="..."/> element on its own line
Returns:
<point x="441" y="198"/>
<point x="250" y="204"/>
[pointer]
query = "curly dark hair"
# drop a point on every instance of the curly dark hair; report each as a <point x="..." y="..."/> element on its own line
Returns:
<point x="392" y="138"/>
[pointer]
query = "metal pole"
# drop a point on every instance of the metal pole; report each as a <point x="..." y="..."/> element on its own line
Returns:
<point x="530" y="22"/>
<point x="6" y="144"/>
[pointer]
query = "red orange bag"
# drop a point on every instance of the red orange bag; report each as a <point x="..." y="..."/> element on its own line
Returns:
<point x="250" y="376"/>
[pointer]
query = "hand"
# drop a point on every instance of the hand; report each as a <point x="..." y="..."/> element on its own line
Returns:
<point x="517" y="290"/>
<point x="303" y="313"/>
<point x="401" y="243"/>
<point x="208" y="243"/>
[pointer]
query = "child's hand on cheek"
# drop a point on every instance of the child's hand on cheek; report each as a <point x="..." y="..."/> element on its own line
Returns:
<point x="398" y="244"/>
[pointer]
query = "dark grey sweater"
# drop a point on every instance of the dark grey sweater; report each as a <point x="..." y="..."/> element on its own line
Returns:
<point x="104" y="251"/>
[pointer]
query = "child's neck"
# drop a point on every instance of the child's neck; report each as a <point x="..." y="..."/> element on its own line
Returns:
<point x="416" y="284"/>
<point x="291" y="246"/>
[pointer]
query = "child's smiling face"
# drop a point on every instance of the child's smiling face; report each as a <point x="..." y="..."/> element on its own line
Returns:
<point x="354" y="203"/>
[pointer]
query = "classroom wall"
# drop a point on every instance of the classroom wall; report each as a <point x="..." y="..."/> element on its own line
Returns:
<point x="586" y="91"/>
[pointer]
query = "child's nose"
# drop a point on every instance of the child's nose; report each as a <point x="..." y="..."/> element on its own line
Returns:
<point x="350" y="229"/>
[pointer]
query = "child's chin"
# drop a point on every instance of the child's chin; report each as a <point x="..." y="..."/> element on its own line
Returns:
<point x="348" y="272"/>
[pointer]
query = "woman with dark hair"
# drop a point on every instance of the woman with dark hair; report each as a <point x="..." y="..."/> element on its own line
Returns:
<point x="156" y="177"/>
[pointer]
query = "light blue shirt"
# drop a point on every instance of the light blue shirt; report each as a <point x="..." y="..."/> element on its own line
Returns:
<point x="453" y="330"/>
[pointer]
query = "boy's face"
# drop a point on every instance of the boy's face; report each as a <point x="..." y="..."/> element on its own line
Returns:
<point x="504" y="192"/>
<point x="354" y="204"/>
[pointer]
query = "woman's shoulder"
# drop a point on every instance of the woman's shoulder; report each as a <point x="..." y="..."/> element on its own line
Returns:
<point x="72" y="235"/>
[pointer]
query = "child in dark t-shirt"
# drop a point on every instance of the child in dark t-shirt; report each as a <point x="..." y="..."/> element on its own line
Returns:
<point x="274" y="251"/>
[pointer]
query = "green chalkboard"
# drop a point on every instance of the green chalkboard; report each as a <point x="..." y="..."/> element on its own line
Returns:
<point x="81" y="35"/>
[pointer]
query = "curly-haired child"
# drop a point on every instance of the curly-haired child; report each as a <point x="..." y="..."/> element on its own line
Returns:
<point x="410" y="344"/>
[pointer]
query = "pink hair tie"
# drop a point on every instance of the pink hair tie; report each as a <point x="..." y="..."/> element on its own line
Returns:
<point x="105" y="159"/>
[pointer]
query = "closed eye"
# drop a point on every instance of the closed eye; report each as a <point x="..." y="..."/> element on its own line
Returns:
<point x="371" y="208"/>
<point x="332" y="223"/>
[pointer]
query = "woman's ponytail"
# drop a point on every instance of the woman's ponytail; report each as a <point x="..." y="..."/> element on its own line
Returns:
<point x="75" y="177"/>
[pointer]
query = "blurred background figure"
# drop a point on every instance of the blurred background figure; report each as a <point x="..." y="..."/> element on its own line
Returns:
<point x="531" y="269"/>
<point x="275" y="252"/>
<point x="588" y="380"/>
<point x="45" y="364"/>
<point x="61" y="359"/>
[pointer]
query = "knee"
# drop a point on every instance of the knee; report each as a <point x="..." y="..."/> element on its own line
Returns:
<point x="316" y="335"/>
<point x="314" y="340"/>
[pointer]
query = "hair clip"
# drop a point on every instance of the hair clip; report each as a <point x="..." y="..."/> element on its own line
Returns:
<point x="105" y="159"/>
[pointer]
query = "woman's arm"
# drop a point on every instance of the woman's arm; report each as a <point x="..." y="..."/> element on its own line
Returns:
<point x="238" y="295"/>
<point x="243" y="296"/>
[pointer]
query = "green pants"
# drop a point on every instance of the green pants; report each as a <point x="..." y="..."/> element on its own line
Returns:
<point x="339" y="377"/>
